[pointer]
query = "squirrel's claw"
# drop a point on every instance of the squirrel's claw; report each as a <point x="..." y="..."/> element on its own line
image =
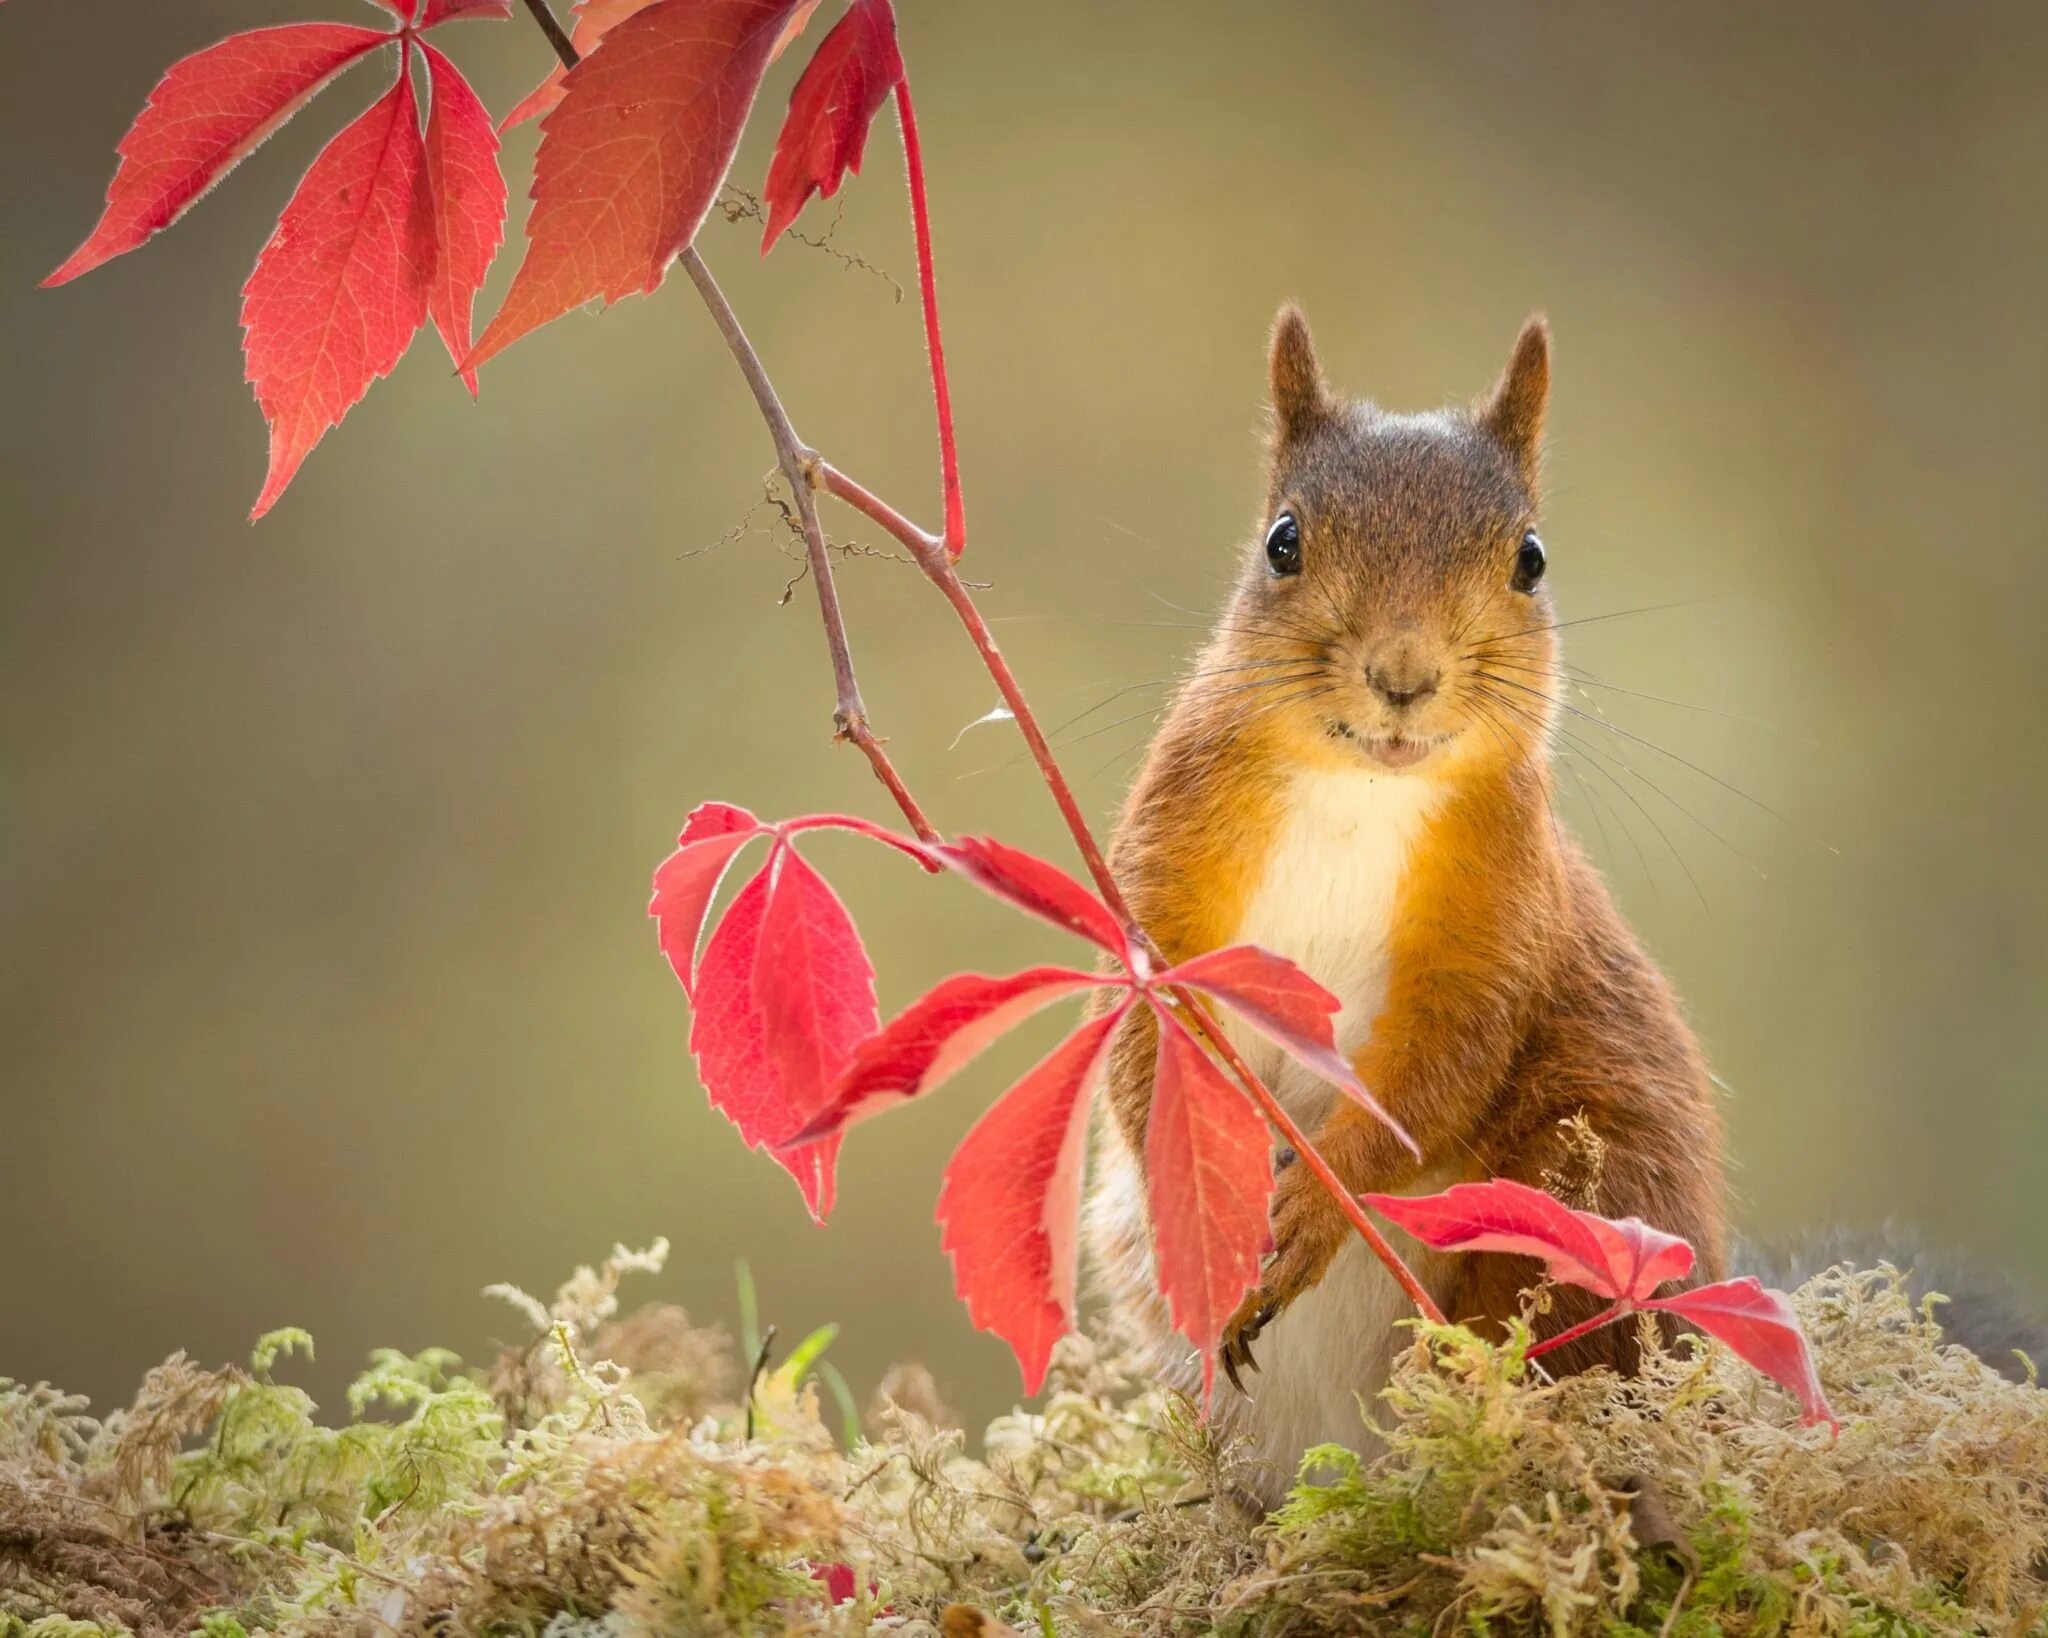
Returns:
<point x="1237" y="1342"/>
<point x="1228" y="1358"/>
<point x="1279" y="1285"/>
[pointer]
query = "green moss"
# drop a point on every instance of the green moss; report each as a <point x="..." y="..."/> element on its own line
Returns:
<point x="601" y="1482"/>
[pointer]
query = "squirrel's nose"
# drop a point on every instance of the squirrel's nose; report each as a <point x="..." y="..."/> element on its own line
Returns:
<point x="1400" y="686"/>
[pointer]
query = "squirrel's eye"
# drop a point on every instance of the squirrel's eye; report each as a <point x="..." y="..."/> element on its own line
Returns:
<point x="1283" y="545"/>
<point x="1528" y="563"/>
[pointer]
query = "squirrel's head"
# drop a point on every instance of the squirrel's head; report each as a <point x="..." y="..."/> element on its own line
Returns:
<point x="1396" y="580"/>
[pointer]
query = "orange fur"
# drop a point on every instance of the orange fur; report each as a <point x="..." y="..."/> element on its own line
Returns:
<point x="1512" y="999"/>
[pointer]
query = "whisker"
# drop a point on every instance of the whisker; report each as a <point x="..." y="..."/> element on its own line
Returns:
<point x="1214" y="693"/>
<point x="1514" y="743"/>
<point x="1314" y="693"/>
<point x="1650" y="818"/>
<point x="1597" y="758"/>
<point x="1190" y="676"/>
<point x="1125" y="529"/>
<point x="1102" y="768"/>
<point x="1298" y="634"/>
<point x="1600" y="808"/>
<point x="1615" y="614"/>
<point x="1579" y="677"/>
<point x="1652" y="745"/>
<point x="1571" y="767"/>
<point x="1597" y="764"/>
<point x="1299" y="693"/>
<point x="1290" y="623"/>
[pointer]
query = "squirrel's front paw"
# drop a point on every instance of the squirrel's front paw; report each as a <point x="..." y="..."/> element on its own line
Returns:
<point x="1308" y="1229"/>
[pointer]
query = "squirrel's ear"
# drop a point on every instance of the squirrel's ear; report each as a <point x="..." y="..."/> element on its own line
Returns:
<point x="1296" y="379"/>
<point x="1514" y="412"/>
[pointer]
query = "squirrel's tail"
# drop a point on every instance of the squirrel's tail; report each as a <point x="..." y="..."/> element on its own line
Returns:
<point x="1984" y="1310"/>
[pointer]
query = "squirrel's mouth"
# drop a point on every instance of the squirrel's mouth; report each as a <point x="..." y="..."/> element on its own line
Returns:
<point x="1395" y="751"/>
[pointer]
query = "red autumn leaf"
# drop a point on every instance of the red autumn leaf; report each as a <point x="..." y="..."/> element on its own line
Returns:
<point x="1758" y="1325"/>
<point x="633" y="156"/>
<point x="855" y="68"/>
<point x="1033" y="884"/>
<point x="838" y="1580"/>
<point x="468" y="192"/>
<point x="813" y="984"/>
<point x="708" y="820"/>
<point x="1010" y="1206"/>
<point x="731" y="1042"/>
<point x="1286" y="1006"/>
<point x="686" y="880"/>
<point x="1209" y="1176"/>
<point x="862" y="827"/>
<point x="208" y="112"/>
<point x="798" y="21"/>
<point x="935" y="1037"/>
<point x="593" y="20"/>
<point x="764" y="1032"/>
<point x="1622" y="1259"/>
<point x="341" y="289"/>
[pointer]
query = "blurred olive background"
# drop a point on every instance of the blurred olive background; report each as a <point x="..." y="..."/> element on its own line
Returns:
<point x="327" y="996"/>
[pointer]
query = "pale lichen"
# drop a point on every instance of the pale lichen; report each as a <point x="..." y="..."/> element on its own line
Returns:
<point x="601" y="1481"/>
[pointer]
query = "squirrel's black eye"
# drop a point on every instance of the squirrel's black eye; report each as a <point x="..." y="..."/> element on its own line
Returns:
<point x="1283" y="545"/>
<point x="1528" y="563"/>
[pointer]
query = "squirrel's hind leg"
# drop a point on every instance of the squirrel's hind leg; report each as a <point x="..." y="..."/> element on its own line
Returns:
<point x="1601" y="1154"/>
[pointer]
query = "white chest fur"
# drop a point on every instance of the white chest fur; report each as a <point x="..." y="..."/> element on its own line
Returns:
<point x="1326" y="902"/>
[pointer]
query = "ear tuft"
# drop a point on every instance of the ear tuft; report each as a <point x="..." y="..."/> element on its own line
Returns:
<point x="1514" y="412"/>
<point x="1299" y="396"/>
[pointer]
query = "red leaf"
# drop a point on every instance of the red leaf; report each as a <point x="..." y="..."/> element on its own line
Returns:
<point x="1758" y="1325"/>
<point x="685" y="882"/>
<point x="814" y="986"/>
<point x="741" y="1028"/>
<point x="594" y="19"/>
<point x="798" y="21"/>
<point x="1209" y="1173"/>
<point x="836" y="99"/>
<point x="935" y="1037"/>
<point x="838" y="1581"/>
<point x="861" y="827"/>
<point x="1621" y="1259"/>
<point x="633" y="156"/>
<point x="468" y="193"/>
<point x="208" y="111"/>
<point x="341" y="289"/>
<point x="1286" y="1006"/>
<point x="709" y="819"/>
<point x="436" y="12"/>
<point x="1032" y="884"/>
<point x="1010" y="1205"/>
<point x="726" y="1031"/>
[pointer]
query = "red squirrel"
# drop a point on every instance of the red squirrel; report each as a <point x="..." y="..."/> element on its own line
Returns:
<point x="1356" y="774"/>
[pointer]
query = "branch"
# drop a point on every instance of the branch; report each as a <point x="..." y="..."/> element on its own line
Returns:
<point x="925" y="548"/>
<point x="1606" y="1316"/>
<point x="938" y="566"/>
<point x="928" y="293"/>
<point x="544" y="15"/>
<point x="921" y="543"/>
<point x="850" y="715"/>
<point x="934" y="554"/>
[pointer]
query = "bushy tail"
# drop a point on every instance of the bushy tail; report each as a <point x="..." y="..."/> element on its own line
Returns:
<point x="1983" y="1310"/>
